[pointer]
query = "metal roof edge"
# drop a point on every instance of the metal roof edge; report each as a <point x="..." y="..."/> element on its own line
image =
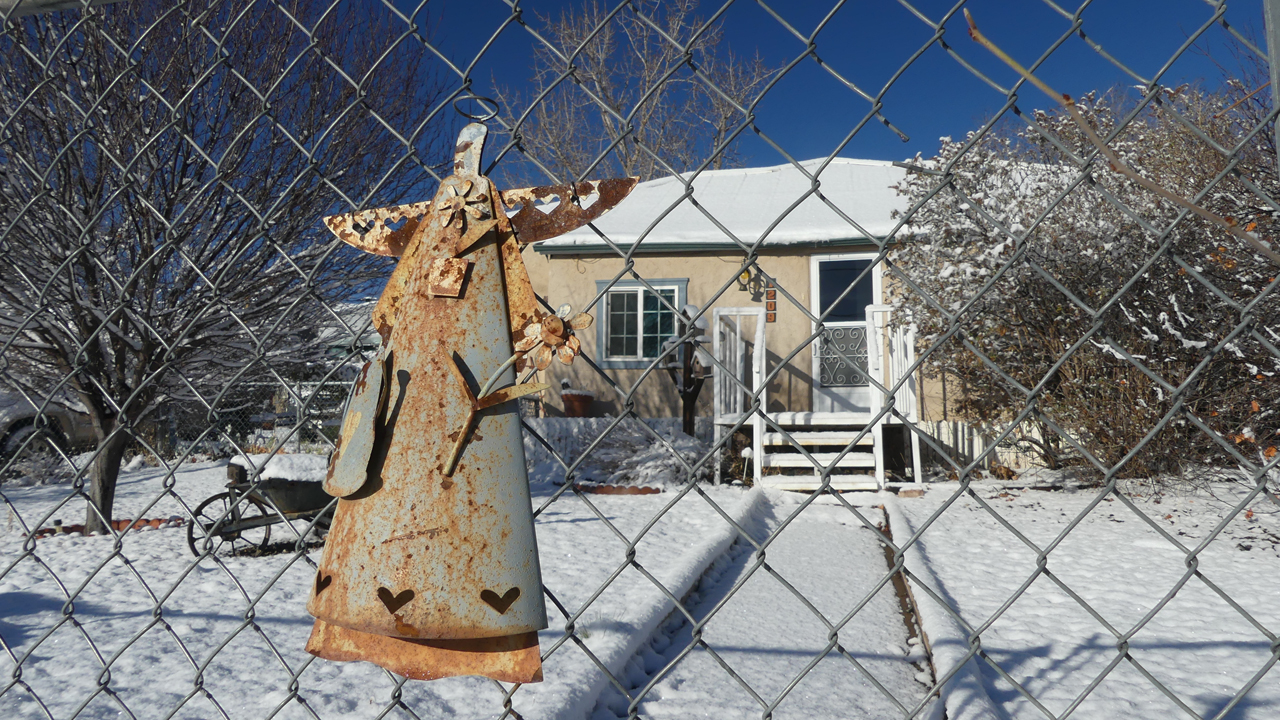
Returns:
<point x="672" y="248"/>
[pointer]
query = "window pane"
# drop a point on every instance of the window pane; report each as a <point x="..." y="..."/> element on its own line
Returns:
<point x="834" y="277"/>
<point x="666" y="318"/>
<point x="659" y="321"/>
<point x="621" y="329"/>
<point x="632" y="330"/>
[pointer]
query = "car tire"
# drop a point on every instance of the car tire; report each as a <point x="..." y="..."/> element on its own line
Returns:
<point x="21" y="430"/>
<point x="25" y="442"/>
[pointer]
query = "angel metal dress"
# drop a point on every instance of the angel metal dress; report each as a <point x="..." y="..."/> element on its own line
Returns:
<point x="430" y="568"/>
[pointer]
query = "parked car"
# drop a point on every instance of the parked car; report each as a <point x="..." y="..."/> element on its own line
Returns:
<point x="61" y="424"/>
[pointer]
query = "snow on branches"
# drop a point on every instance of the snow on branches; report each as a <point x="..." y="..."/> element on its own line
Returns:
<point x="1050" y="278"/>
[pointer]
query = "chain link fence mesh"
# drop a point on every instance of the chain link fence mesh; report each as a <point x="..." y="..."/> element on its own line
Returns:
<point x="171" y="301"/>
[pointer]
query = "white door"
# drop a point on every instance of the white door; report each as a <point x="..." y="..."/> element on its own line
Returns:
<point x="842" y="287"/>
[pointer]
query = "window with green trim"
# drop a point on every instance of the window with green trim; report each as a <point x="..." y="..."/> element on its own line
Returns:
<point x="637" y="323"/>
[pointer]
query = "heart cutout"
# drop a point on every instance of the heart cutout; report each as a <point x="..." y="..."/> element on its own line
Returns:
<point x="394" y="602"/>
<point x="322" y="582"/>
<point x="500" y="603"/>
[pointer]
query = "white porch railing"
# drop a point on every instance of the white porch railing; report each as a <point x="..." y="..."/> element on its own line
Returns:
<point x="897" y="354"/>
<point x="738" y="375"/>
<point x="738" y="344"/>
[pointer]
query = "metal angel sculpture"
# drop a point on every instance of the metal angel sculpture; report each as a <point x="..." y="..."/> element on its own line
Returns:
<point x="430" y="568"/>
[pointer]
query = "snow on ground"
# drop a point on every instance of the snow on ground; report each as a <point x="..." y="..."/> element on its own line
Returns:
<point x="770" y="638"/>
<point x="225" y="636"/>
<point x="629" y="455"/>
<point x="206" y="643"/>
<point x="1202" y="649"/>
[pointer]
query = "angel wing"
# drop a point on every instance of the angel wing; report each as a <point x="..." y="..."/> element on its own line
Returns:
<point x="578" y="205"/>
<point x="386" y="231"/>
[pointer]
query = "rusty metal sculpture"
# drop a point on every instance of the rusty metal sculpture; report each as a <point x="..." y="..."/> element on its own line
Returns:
<point x="431" y="568"/>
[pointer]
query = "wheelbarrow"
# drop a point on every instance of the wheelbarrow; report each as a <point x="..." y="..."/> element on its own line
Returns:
<point x="241" y="518"/>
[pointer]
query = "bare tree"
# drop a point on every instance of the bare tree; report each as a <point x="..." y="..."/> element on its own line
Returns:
<point x="163" y="170"/>
<point x="647" y="92"/>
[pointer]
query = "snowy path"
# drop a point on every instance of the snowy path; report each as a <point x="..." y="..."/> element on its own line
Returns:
<point x="207" y="604"/>
<point x="1198" y="646"/>
<point x="769" y="637"/>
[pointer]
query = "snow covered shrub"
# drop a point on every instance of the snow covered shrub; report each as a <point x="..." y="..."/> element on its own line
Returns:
<point x="43" y="468"/>
<point x="1034" y="277"/>
<point x="628" y="454"/>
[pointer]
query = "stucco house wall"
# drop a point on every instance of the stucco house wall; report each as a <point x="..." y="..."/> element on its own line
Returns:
<point x="573" y="280"/>
<point x="688" y="249"/>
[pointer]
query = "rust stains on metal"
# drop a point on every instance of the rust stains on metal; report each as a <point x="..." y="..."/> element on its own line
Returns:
<point x="459" y="201"/>
<point x="447" y="277"/>
<point x="347" y="467"/>
<point x="459" y="151"/>
<point x="522" y="301"/>
<point x="495" y="398"/>
<point x="333" y="459"/>
<point x="362" y="379"/>
<point x="405" y="492"/>
<point x="507" y="394"/>
<point x="477" y="232"/>
<point x="404" y="628"/>
<point x="459" y="437"/>
<point x="429" y="533"/>
<point x="381" y="231"/>
<point x="466" y="153"/>
<point x="510" y="658"/>
<point x="578" y="205"/>
<point x="384" y="312"/>
<point x="431" y="564"/>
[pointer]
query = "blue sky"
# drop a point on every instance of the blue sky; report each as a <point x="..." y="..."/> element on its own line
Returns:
<point x="809" y="113"/>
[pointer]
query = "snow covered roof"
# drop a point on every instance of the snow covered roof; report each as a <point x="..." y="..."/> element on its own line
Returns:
<point x="284" y="466"/>
<point x="747" y="201"/>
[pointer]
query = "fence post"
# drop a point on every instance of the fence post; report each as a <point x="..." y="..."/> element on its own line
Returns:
<point x="1271" y="15"/>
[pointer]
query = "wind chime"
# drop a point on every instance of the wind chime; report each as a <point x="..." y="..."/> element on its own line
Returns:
<point x="430" y="568"/>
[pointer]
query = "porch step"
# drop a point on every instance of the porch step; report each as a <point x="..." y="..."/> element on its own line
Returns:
<point x="793" y="460"/>
<point x="842" y="438"/>
<point x="809" y="483"/>
<point x="818" y="419"/>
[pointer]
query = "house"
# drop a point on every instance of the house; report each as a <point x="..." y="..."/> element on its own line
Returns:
<point x="689" y="242"/>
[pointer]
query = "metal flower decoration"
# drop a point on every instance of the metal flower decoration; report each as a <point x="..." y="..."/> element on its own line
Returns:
<point x="552" y="336"/>
<point x="456" y="206"/>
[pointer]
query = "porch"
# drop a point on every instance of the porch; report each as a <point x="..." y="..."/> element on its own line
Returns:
<point x="864" y="396"/>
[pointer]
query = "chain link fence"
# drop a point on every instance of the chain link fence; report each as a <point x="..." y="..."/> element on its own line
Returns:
<point x="1026" y="386"/>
